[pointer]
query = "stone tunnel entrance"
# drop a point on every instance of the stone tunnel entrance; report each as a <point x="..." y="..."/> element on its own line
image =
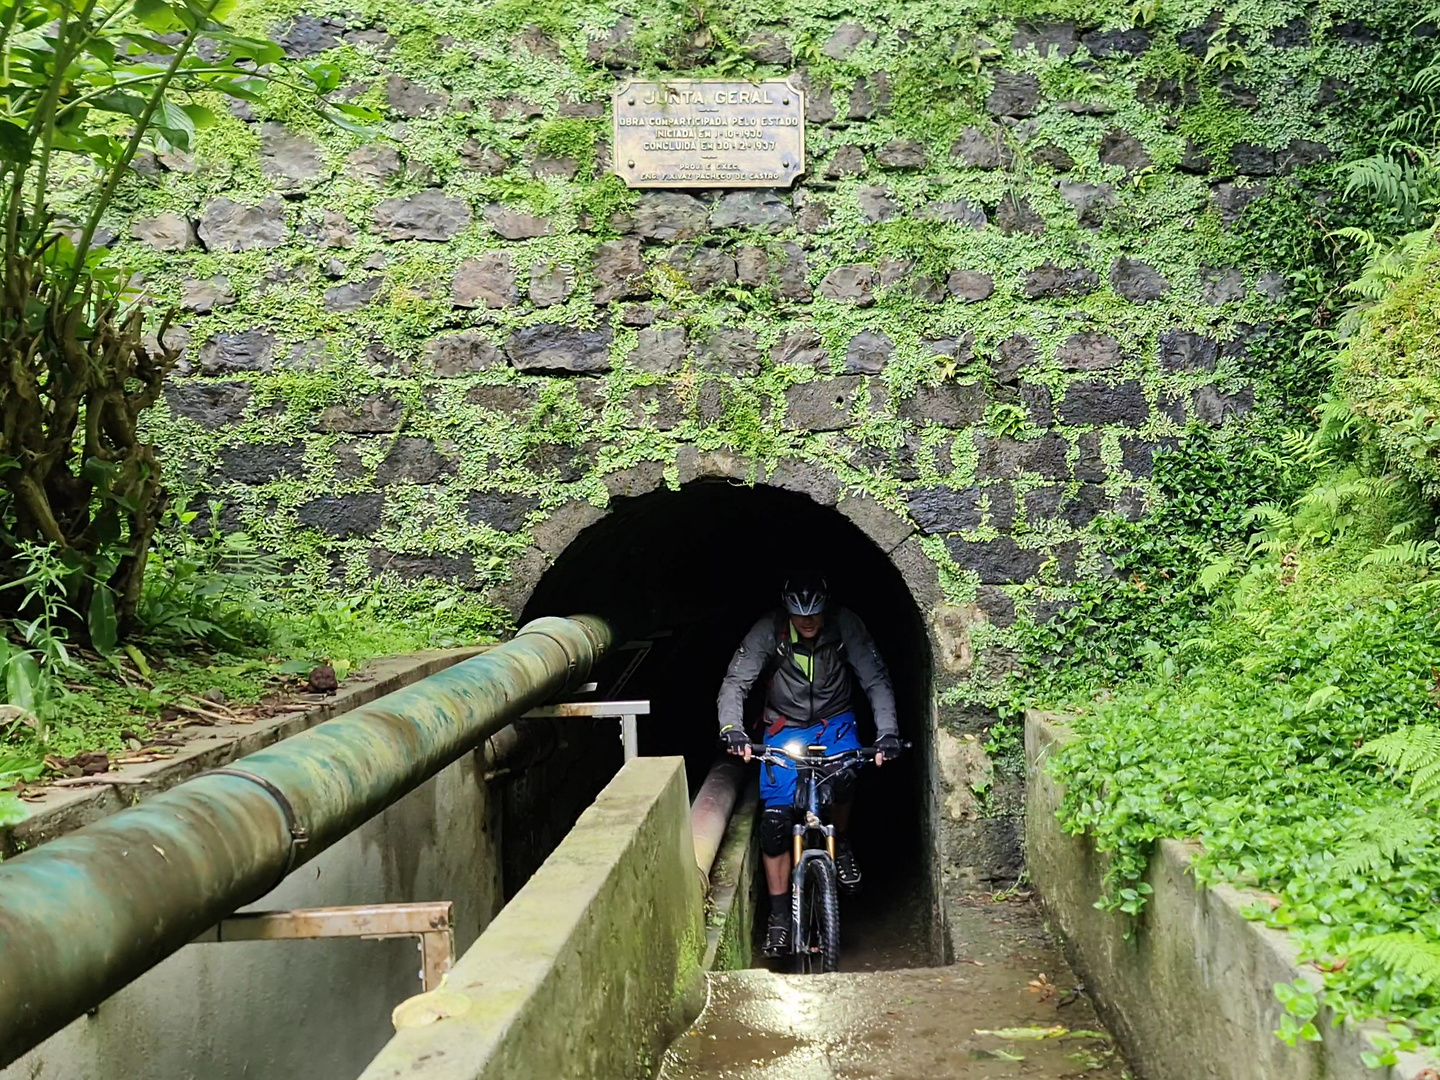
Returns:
<point x="689" y="571"/>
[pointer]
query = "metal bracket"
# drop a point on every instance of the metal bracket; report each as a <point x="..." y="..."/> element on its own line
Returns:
<point x="626" y="711"/>
<point x="430" y="923"/>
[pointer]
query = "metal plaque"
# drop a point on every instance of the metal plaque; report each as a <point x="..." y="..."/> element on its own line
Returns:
<point x="709" y="133"/>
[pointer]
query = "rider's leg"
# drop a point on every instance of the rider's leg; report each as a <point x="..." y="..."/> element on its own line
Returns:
<point x="775" y="823"/>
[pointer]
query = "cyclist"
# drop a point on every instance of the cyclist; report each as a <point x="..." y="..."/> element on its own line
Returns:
<point x="813" y="655"/>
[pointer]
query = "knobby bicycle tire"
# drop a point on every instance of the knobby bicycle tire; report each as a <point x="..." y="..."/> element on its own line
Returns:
<point x="820" y="919"/>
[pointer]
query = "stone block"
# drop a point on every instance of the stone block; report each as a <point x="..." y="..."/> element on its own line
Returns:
<point x="1055" y="503"/>
<point x="1232" y="200"/>
<point x="1137" y="281"/>
<point x="413" y="459"/>
<point x="752" y="209"/>
<point x="660" y="349"/>
<point x="487" y="281"/>
<point x="427" y="215"/>
<point x="164" y="232"/>
<point x="845" y="39"/>
<point x="226" y="225"/>
<point x="877" y="204"/>
<point x="982" y="148"/>
<point x="1090" y="466"/>
<point x="995" y="562"/>
<point x="204" y="296"/>
<point x="290" y="161"/>
<point x="941" y="510"/>
<point x="1120" y="148"/>
<point x="1100" y="403"/>
<point x="212" y="405"/>
<point x="868" y="353"/>
<point x="563" y="462"/>
<point x="504" y="398"/>
<point x="1213" y="406"/>
<point x="554" y="349"/>
<point x="902" y="154"/>
<point x="550" y="283"/>
<point x="953" y="405"/>
<point x="375" y="163"/>
<point x="412" y="567"/>
<point x="373" y="414"/>
<point x="515" y="224"/>
<point x="1088" y="351"/>
<point x="825" y="405"/>
<point x="616" y="48"/>
<point x="1052" y="157"/>
<point x="814" y="481"/>
<point x="958" y="212"/>
<point x="1003" y="458"/>
<point x="462" y="353"/>
<point x="343" y="516"/>
<point x="657" y="406"/>
<point x="971" y="286"/>
<point x="702" y="268"/>
<point x="729" y="350"/>
<point x="1091" y="202"/>
<point x="888" y="529"/>
<point x="352" y="295"/>
<point x="766" y="47"/>
<point x="1014" y="94"/>
<point x="309" y="35"/>
<point x="619" y="271"/>
<point x="1051" y="281"/>
<point x="259" y="463"/>
<point x="1015" y="215"/>
<point x="802" y="348"/>
<point x="1221" y="285"/>
<point x="1188" y="350"/>
<point x="1114" y="44"/>
<point x="853" y="283"/>
<point x="246" y="350"/>
<point x="1053" y="39"/>
<point x="752" y="266"/>
<point x="794" y="273"/>
<point x="503" y="511"/>
<point x="1014" y="355"/>
<point x="668" y="216"/>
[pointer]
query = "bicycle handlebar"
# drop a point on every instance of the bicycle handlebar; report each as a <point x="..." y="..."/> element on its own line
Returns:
<point x="777" y="755"/>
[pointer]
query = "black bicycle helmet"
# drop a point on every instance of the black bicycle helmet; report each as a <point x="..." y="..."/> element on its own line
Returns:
<point x="805" y="595"/>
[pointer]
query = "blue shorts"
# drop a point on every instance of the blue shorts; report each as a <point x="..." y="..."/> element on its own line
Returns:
<point x="777" y="782"/>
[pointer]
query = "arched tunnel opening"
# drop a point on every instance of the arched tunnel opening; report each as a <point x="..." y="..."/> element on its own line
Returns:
<point x="683" y="575"/>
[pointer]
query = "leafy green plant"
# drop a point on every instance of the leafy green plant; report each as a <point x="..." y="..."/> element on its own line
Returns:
<point x="84" y="88"/>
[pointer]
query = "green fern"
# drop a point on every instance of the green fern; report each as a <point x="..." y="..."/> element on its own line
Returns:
<point x="1423" y="554"/>
<point x="1412" y="751"/>
<point x="1378" y="837"/>
<point x="1405" y="953"/>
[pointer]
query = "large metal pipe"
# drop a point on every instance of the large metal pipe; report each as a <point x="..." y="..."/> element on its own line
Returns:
<point x="85" y="914"/>
<point x="710" y="812"/>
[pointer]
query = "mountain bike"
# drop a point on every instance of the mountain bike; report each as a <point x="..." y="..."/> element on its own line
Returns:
<point x="814" y="888"/>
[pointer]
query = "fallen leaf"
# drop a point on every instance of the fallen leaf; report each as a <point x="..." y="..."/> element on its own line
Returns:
<point x="1017" y="1033"/>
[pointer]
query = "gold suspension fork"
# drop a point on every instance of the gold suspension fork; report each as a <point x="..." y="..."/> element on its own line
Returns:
<point x="799" y="838"/>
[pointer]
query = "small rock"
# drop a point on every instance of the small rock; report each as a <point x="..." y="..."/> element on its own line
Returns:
<point x="1015" y="94"/>
<point x="1109" y="44"/>
<point x="468" y="351"/>
<point x="845" y="39"/>
<point x="515" y="224"/>
<point x="668" y="216"/>
<point x="1016" y="215"/>
<point x="375" y="163"/>
<point x="226" y="225"/>
<point x="550" y="348"/>
<point x="659" y="349"/>
<point x="800" y="348"/>
<point x="309" y="35"/>
<point x="752" y="266"/>
<point x="970" y="286"/>
<point x="483" y="159"/>
<point x="751" y="210"/>
<point x="212" y="405"/>
<point x="292" y="162"/>
<point x="1091" y="202"/>
<point x="164" y="232"/>
<point x="1221" y="285"/>
<point x="1119" y="147"/>
<point x="769" y="48"/>
<point x="1053" y="156"/>
<point x="247" y="350"/>
<point x="1137" y="281"/>
<point x="853" y="283"/>
<point x="428" y="215"/>
<point x="1187" y="350"/>
<point x="958" y="212"/>
<point x="550" y="283"/>
<point x="488" y="280"/>
<point x="1099" y="403"/>
<point x="868" y="353"/>
<point x="343" y="516"/>
<point x="702" y="268"/>
<point x="1232" y="200"/>
<point x="729" y="350"/>
<point x="370" y="415"/>
<point x="1050" y="280"/>
<point x="1057" y="39"/>
<point x="982" y="148"/>
<point x="848" y="160"/>
<point x="823" y="405"/>
<point x="203" y="297"/>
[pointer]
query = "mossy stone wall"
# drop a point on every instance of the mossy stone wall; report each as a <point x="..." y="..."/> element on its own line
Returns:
<point x="1010" y="274"/>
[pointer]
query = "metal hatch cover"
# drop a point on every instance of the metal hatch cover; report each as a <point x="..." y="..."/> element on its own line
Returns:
<point x="709" y="133"/>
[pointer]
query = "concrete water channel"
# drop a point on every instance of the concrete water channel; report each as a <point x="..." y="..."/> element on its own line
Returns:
<point x="615" y="939"/>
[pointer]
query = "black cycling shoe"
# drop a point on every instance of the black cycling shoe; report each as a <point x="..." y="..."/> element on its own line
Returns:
<point x="846" y="868"/>
<point x="777" y="937"/>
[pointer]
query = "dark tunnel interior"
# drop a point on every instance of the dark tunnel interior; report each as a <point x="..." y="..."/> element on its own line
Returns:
<point x="682" y="575"/>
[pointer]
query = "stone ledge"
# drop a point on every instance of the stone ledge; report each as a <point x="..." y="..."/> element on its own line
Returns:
<point x="65" y="809"/>
<point x="1193" y="995"/>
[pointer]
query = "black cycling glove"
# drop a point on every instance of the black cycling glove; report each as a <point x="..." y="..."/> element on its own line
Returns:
<point x="734" y="740"/>
<point x="889" y="745"/>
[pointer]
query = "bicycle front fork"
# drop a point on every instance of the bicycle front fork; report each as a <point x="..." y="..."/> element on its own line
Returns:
<point x="797" y="875"/>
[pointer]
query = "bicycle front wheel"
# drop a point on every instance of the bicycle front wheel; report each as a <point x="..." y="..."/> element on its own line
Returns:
<point x="819" y="920"/>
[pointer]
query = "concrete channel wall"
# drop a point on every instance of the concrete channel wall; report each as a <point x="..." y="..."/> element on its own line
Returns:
<point x="317" y="1010"/>
<point x="1191" y="997"/>
<point x="591" y="968"/>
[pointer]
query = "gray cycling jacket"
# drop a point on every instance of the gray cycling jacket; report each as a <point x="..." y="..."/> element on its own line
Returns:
<point x="842" y="653"/>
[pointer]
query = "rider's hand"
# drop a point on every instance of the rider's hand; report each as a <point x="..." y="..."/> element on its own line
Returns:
<point x="736" y="742"/>
<point x="887" y="746"/>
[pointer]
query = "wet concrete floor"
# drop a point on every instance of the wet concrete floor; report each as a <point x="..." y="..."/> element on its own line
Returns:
<point x="1009" y="1007"/>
